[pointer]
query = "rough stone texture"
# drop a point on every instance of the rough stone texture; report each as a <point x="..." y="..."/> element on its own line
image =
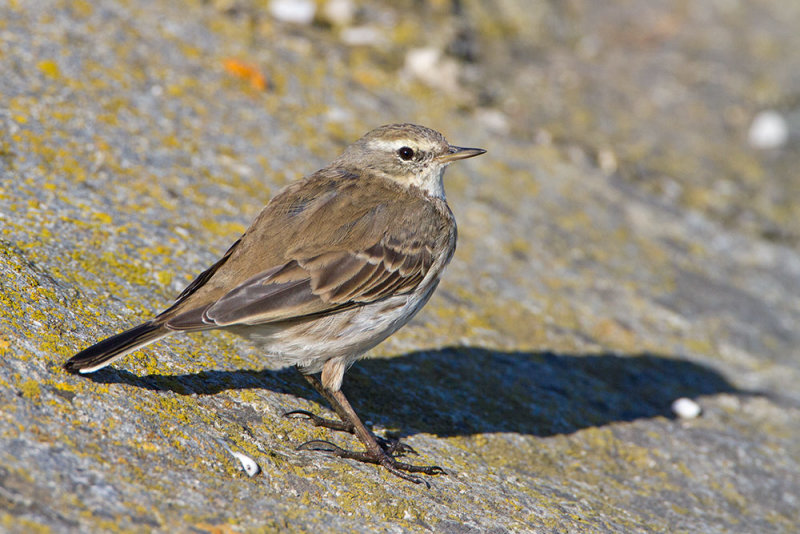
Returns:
<point x="620" y="246"/>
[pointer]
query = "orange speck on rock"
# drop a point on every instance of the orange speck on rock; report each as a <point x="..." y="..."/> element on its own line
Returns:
<point x="248" y="72"/>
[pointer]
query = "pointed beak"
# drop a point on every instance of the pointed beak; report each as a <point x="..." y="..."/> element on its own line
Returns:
<point x="457" y="152"/>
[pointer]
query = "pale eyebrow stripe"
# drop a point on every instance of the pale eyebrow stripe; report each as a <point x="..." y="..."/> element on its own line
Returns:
<point x="382" y="144"/>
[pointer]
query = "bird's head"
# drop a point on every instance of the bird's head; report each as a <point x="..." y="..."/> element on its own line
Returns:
<point x="406" y="153"/>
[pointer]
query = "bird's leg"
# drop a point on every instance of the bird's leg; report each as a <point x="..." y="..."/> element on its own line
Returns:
<point x="375" y="453"/>
<point x="344" y="425"/>
<point x="391" y="446"/>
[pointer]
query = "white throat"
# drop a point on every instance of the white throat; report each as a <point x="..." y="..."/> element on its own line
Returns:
<point x="431" y="181"/>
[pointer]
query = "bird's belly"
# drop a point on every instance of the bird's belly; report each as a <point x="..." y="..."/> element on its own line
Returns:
<point x="348" y="334"/>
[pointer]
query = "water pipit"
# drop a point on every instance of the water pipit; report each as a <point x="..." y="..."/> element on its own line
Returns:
<point x="332" y="266"/>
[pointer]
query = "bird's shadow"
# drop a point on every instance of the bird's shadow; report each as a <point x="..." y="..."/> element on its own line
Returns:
<point x="469" y="390"/>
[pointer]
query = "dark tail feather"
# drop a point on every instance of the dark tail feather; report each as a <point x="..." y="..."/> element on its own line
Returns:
<point x="101" y="354"/>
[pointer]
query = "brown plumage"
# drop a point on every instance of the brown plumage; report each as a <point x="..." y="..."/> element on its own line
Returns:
<point x="334" y="264"/>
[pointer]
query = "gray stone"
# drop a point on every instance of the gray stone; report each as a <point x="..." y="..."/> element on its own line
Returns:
<point x="621" y="246"/>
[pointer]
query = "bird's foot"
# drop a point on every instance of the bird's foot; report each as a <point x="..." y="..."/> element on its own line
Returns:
<point x="320" y="421"/>
<point x="391" y="446"/>
<point x="378" y="457"/>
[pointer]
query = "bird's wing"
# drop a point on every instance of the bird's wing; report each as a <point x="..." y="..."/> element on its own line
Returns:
<point x="327" y="275"/>
<point x="201" y="278"/>
<point x="322" y="284"/>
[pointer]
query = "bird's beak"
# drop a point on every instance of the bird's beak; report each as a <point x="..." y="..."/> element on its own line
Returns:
<point x="457" y="152"/>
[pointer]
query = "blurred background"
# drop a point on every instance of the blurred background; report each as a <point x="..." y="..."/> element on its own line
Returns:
<point x="630" y="238"/>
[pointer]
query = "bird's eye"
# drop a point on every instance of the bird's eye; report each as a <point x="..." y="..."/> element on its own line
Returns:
<point x="405" y="153"/>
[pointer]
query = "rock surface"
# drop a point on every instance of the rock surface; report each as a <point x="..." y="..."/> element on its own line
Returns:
<point x="621" y="246"/>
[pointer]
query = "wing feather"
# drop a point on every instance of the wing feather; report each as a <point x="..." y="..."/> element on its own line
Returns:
<point x="315" y="286"/>
<point x="353" y="256"/>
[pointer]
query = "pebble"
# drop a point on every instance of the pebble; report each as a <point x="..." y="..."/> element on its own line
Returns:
<point x="248" y="464"/>
<point x="494" y="120"/>
<point x="339" y="12"/>
<point x="685" y="408"/>
<point x="429" y="66"/>
<point x="362" y="36"/>
<point x="293" y="11"/>
<point x="768" y="130"/>
<point x="421" y="62"/>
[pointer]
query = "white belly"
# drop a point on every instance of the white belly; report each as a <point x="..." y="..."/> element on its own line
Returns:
<point x="346" y="335"/>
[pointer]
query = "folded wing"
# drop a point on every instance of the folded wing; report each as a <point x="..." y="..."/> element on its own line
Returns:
<point x="330" y="242"/>
<point x="317" y="285"/>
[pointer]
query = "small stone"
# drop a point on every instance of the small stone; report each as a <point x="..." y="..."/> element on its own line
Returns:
<point x="339" y="12"/>
<point x="429" y="66"/>
<point x="494" y="120"/>
<point x="607" y="160"/>
<point x="768" y="130"/>
<point x="362" y="36"/>
<point x="685" y="408"/>
<point x="248" y="464"/>
<point x="421" y="62"/>
<point x="294" y="11"/>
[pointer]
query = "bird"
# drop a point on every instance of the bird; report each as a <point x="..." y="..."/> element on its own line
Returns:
<point x="334" y="264"/>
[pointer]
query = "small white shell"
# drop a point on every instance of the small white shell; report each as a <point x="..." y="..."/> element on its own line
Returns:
<point x="685" y="408"/>
<point x="768" y="130"/>
<point x="248" y="464"/>
<point x="293" y="11"/>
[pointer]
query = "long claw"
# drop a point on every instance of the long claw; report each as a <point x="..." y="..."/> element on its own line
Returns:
<point x="380" y="451"/>
<point x="305" y="413"/>
<point x="320" y="445"/>
<point x="406" y="476"/>
<point x="391" y="446"/>
<point x="319" y="421"/>
<point x="400" y="469"/>
<point x="395" y="447"/>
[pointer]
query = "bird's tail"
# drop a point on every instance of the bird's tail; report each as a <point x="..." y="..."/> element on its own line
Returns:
<point x="103" y="353"/>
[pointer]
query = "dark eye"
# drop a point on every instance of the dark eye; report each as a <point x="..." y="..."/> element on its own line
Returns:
<point x="405" y="153"/>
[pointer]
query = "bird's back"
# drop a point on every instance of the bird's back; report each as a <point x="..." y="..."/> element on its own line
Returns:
<point x="330" y="212"/>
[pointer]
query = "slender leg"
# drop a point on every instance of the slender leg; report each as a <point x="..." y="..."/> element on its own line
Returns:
<point x="391" y="446"/>
<point x="376" y="452"/>
<point x="345" y="425"/>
